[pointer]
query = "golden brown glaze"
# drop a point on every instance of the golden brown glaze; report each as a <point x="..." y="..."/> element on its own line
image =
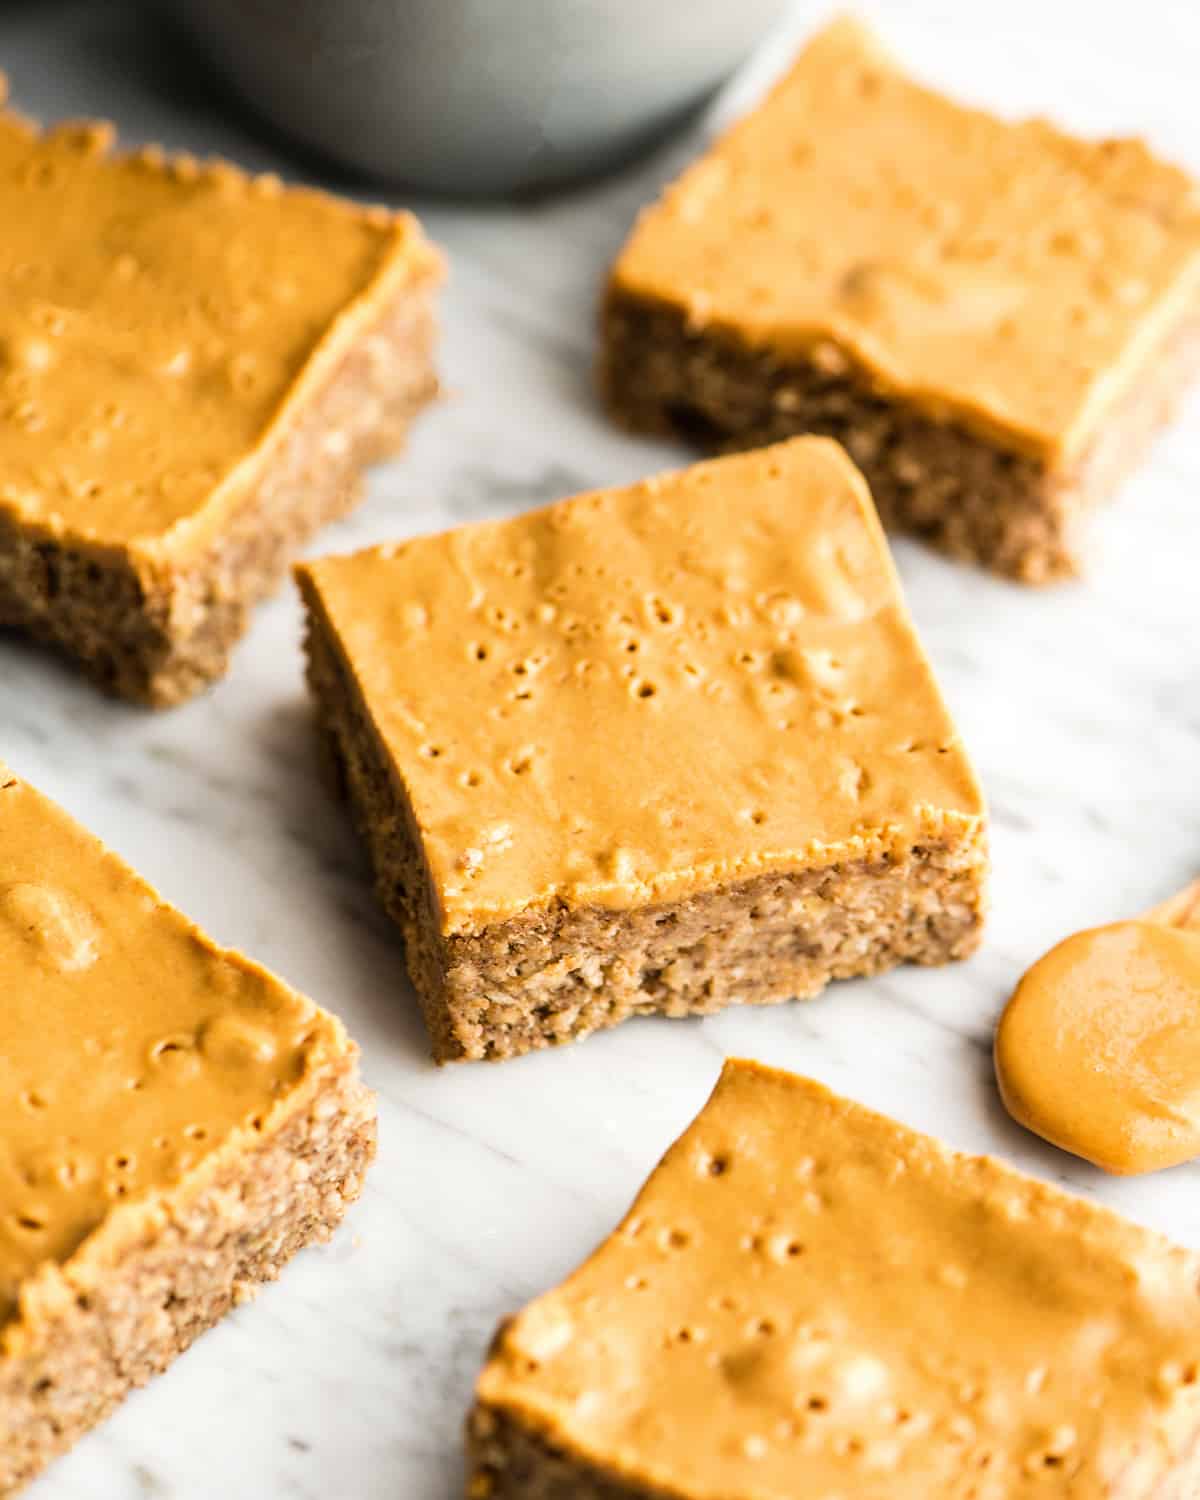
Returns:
<point x="639" y="693"/>
<point x="1003" y="274"/>
<point x="810" y="1299"/>
<point x="132" y="1049"/>
<point x="1098" y="1050"/>
<point x="159" y="317"/>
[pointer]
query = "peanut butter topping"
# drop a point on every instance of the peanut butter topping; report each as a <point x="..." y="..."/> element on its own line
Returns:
<point x="157" y="317"/>
<point x="640" y="692"/>
<point x="1003" y="274"/>
<point x="809" y="1299"/>
<point x="1098" y="1050"/>
<point x="131" y="1048"/>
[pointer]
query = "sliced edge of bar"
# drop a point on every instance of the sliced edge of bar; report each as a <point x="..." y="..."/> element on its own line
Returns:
<point x="509" y="1461"/>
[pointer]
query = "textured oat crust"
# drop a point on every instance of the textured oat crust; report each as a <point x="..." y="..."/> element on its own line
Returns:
<point x="507" y="1461"/>
<point x="159" y="640"/>
<point x="556" y="975"/>
<point x="956" y="490"/>
<point x="219" y="1242"/>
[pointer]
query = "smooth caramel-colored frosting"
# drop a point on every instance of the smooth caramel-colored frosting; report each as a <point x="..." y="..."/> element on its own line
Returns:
<point x="638" y="693"/>
<point x="132" y="1050"/>
<point x="1002" y="274"/>
<point x="810" y="1299"/>
<point x="159" y="319"/>
<point x="1098" y="1050"/>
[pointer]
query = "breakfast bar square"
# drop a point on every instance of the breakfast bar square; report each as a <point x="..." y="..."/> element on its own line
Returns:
<point x="810" y="1300"/>
<point x="195" y="365"/>
<point x="993" y="317"/>
<point x="654" y="750"/>
<point x="175" y="1123"/>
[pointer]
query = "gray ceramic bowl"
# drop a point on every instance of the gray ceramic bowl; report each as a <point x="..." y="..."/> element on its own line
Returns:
<point x="475" y="96"/>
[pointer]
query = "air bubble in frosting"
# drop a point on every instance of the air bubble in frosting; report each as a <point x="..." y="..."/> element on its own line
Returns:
<point x="544" y="1331"/>
<point x="662" y="612"/>
<point x="56" y="923"/>
<point x="175" y="1056"/>
<point x="232" y="1041"/>
<point x="244" y="373"/>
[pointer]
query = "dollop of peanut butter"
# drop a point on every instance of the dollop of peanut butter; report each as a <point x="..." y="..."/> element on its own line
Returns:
<point x="1099" y="1048"/>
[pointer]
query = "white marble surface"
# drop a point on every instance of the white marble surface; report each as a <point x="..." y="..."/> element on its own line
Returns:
<point x="349" y="1379"/>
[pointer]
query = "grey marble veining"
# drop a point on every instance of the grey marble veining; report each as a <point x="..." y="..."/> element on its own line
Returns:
<point x="1081" y="705"/>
